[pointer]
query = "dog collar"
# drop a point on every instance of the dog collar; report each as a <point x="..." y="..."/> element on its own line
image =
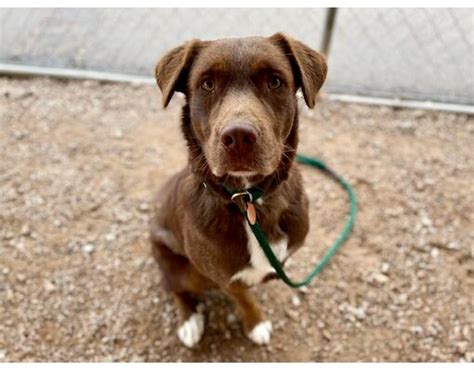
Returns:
<point x="242" y="198"/>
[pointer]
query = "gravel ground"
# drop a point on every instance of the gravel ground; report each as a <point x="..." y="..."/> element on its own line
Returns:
<point x="80" y="160"/>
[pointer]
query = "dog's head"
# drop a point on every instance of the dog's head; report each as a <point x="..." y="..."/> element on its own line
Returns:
<point x="241" y="99"/>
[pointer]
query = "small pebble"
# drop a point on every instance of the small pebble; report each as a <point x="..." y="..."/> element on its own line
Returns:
<point x="21" y="277"/>
<point x="25" y="230"/>
<point x="295" y="300"/>
<point x="88" y="248"/>
<point x="378" y="278"/>
<point x="327" y="335"/>
<point x="49" y="286"/>
<point x="303" y="289"/>
<point x="143" y="207"/>
<point x="109" y="237"/>
<point x="117" y="133"/>
<point x="385" y="268"/>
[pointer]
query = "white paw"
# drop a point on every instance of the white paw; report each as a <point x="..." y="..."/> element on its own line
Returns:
<point x="191" y="331"/>
<point x="261" y="333"/>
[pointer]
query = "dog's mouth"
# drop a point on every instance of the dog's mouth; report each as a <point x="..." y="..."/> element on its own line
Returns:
<point x="240" y="167"/>
<point x="242" y="174"/>
<point x="246" y="167"/>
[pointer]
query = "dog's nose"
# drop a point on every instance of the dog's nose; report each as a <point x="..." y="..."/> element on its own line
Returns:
<point x="239" y="137"/>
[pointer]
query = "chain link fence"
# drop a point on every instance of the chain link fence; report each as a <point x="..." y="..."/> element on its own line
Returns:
<point x="421" y="54"/>
<point x="132" y="40"/>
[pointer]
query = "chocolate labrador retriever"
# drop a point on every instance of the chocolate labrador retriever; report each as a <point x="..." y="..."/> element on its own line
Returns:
<point x="240" y="122"/>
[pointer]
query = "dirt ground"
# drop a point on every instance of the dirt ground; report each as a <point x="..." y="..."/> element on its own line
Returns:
<point x="80" y="160"/>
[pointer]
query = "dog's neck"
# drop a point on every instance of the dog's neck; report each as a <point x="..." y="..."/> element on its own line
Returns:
<point x="200" y="167"/>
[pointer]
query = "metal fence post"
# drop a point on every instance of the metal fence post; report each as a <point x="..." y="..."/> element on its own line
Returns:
<point x="328" y="30"/>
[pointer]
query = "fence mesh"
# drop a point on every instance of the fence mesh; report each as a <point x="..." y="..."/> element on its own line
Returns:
<point x="131" y="41"/>
<point x="424" y="54"/>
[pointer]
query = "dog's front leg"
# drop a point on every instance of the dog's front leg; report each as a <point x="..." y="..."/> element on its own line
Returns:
<point x="256" y="327"/>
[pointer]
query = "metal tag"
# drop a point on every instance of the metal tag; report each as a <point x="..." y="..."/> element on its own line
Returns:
<point x="251" y="213"/>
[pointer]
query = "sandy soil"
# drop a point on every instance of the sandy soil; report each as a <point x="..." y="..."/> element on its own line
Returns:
<point x="80" y="160"/>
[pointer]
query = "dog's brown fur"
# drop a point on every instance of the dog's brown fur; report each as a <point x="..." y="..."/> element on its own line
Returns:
<point x="198" y="238"/>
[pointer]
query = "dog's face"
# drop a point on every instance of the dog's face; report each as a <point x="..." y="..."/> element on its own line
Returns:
<point x="241" y="96"/>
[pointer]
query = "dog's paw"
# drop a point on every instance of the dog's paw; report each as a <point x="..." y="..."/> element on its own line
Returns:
<point x="261" y="333"/>
<point x="191" y="331"/>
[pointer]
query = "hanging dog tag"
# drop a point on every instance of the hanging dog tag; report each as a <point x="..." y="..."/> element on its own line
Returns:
<point x="251" y="213"/>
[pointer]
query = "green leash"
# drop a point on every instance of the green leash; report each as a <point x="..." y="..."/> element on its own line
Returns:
<point x="262" y="239"/>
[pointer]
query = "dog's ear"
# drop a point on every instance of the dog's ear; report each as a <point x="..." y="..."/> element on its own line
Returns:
<point x="309" y="66"/>
<point x="172" y="70"/>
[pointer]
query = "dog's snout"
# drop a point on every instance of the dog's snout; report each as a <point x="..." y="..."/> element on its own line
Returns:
<point x="239" y="137"/>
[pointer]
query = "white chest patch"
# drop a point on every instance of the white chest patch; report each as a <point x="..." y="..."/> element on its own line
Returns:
<point x="259" y="266"/>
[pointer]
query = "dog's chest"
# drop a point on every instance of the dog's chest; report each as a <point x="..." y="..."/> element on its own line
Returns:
<point x="258" y="266"/>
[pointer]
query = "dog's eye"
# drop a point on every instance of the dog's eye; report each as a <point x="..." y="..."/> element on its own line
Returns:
<point x="274" y="82"/>
<point x="208" y="85"/>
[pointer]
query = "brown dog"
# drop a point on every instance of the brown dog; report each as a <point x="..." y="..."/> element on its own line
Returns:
<point x="240" y="122"/>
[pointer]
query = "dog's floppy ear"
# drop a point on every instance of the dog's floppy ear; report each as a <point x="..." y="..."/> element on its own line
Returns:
<point x="309" y="66"/>
<point x="172" y="70"/>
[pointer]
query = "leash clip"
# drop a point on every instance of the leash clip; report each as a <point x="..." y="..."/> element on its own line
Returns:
<point x="244" y="202"/>
<point x="241" y="194"/>
<point x="242" y="199"/>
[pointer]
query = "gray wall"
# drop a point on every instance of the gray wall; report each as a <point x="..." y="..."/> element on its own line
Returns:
<point x="411" y="53"/>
